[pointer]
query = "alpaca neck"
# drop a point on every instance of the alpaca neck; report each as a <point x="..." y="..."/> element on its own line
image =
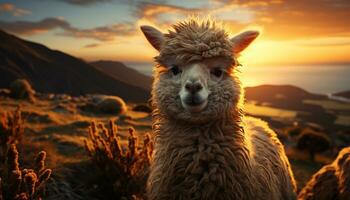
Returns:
<point x="224" y="134"/>
<point x="228" y="127"/>
<point x="209" y="154"/>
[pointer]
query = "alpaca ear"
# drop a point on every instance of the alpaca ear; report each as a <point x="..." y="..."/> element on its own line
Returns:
<point x="242" y="40"/>
<point x="155" y="37"/>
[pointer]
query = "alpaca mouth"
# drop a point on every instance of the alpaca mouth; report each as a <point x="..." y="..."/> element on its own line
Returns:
<point x="194" y="103"/>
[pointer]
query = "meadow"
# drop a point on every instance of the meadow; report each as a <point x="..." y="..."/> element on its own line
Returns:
<point x="100" y="151"/>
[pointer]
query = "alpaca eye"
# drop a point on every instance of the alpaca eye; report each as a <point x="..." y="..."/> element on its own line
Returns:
<point x="175" y="70"/>
<point x="217" y="72"/>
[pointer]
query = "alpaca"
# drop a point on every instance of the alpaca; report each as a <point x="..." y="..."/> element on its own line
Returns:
<point x="204" y="147"/>
<point x="331" y="181"/>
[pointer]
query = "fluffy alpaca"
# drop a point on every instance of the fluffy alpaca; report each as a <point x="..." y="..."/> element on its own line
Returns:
<point x="331" y="181"/>
<point x="204" y="147"/>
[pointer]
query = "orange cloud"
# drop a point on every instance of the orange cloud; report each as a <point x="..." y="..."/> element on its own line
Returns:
<point x="290" y="19"/>
<point x="7" y="7"/>
<point x="11" y="8"/>
<point x="293" y="31"/>
<point x="103" y="33"/>
<point x="154" y="12"/>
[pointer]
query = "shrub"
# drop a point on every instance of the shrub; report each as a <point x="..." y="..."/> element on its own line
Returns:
<point x="5" y="92"/>
<point x="111" y="105"/>
<point x="21" y="89"/>
<point x="314" y="142"/>
<point x="294" y="131"/>
<point x="23" y="184"/>
<point x="125" y="168"/>
<point x="11" y="130"/>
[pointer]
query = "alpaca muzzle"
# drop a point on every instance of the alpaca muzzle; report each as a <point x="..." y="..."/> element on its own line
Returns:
<point x="193" y="97"/>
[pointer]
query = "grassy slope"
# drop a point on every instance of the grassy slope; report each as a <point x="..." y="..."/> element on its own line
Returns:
<point x="59" y="127"/>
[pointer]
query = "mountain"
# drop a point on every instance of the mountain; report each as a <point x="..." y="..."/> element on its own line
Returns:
<point x="123" y="73"/>
<point x="344" y="94"/>
<point x="270" y="92"/>
<point x="309" y="107"/>
<point x="281" y="96"/>
<point x="53" y="71"/>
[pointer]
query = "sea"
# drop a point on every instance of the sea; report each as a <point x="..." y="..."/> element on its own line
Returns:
<point x="320" y="79"/>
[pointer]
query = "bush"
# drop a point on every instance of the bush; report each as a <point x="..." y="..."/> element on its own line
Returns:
<point x="16" y="183"/>
<point x="294" y="131"/>
<point x="314" y="142"/>
<point x="111" y="105"/>
<point x="11" y="130"/>
<point x="5" y="92"/>
<point x="21" y="89"/>
<point x="126" y="169"/>
<point x="23" y="184"/>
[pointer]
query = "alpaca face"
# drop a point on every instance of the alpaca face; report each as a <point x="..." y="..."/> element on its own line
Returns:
<point x="195" y="80"/>
<point x="196" y="92"/>
<point x="194" y="89"/>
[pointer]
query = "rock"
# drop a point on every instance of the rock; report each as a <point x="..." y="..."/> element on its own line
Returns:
<point x="35" y="117"/>
<point x="63" y="97"/>
<point x="21" y="89"/>
<point x="5" y="92"/>
<point x="111" y="105"/>
<point x="104" y="104"/>
<point x="47" y="96"/>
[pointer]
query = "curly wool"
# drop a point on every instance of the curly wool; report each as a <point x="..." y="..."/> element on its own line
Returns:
<point x="331" y="181"/>
<point x="193" y="41"/>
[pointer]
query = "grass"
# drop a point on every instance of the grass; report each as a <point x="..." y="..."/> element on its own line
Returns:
<point x="303" y="170"/>
<point x="343" y="120"/>
<point x="267" y="111"/>
<point x="340" y="107"/>
<point x="329" y="104"/>
<point x="124" y="168"/>
<point x="102" y="174"/>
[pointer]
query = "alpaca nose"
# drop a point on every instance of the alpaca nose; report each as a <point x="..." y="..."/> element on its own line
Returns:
<point x="193" y="87"/>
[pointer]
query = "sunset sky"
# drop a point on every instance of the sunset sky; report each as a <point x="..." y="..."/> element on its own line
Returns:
<point x="293" y="31"/>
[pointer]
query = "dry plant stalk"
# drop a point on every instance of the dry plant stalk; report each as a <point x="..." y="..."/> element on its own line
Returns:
<point x="126" y="168"/>
<point x="11" y="130"/>
<point x="26" y="184"/>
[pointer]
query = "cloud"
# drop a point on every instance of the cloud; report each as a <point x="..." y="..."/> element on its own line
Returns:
<point x="102" y="33"/>
<point x="280" y="19"/>
<point x="85" y="2"/>
<point x="93" y="45"/>
<point x="161" y="13"/>
<point x="290" y="19"/>
<point x="7" y="7"/>
<point x="285" y="19"/>
<point x="31" y="28"/>
<point x="13" y="10"/>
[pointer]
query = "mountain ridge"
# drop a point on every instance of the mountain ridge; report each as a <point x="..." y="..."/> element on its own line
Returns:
<point x="122" y="72"/>
<point x="53" y="71"/>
